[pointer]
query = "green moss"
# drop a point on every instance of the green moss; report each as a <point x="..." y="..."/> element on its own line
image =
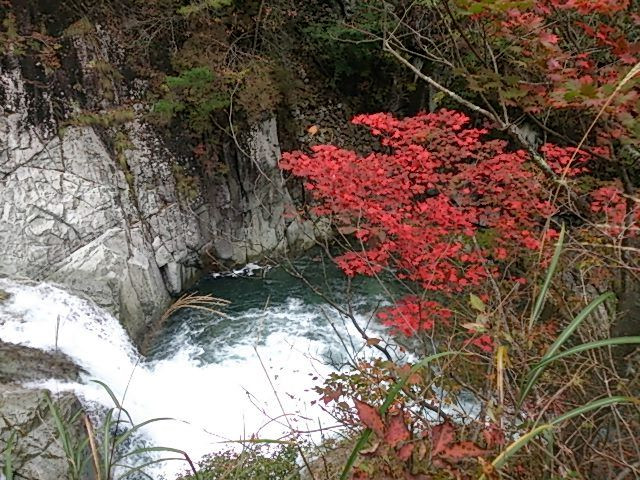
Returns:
<point x="4" y="296"/>
<point x="107" y="119"/>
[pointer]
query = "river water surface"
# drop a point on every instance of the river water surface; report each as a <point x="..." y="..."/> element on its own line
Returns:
<point x="249" y="374"/>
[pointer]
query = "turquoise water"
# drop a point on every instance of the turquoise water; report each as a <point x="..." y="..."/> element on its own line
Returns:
<point x="272" y="300"/>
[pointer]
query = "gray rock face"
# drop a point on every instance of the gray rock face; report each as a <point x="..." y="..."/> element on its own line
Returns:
<point x="24" y="364"/>
<point x="101" y="211"/>
<point x="255" y="213"/>
<point x="26" y="418"/>
<point x="36" y="453"/>
<point x="70" y="216"/>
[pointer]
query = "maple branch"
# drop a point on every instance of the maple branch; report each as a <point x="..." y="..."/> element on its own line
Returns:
<point x="433" y="83"/>
<point x="512" y="129"/>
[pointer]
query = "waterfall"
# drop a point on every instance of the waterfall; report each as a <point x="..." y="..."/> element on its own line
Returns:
<point x="241" y="395"/>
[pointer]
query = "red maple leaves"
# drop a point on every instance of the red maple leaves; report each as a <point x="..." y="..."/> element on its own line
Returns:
<point x="443" y="208"/>
<point x="445" y="450"/>
<point x="565" y="54"/>
<point x="619" y="220"/>
<point x="437" y="445"/>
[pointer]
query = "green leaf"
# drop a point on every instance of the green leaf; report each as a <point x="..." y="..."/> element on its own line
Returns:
<point x="477" y="303"/>
<point x="542" y="296"/>
<point x="535" y="373"/>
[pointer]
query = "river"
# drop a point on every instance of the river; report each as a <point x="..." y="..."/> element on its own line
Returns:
<point x="248" y="374"/>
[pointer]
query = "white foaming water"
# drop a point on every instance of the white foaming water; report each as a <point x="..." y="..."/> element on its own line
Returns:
<point x="229" y="400"/>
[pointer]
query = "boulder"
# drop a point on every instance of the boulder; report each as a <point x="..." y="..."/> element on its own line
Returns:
<point x="26" y="420"/>
<point x="25" y="417"/>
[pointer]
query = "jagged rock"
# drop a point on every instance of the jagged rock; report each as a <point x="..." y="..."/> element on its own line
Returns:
<point x="118" y="271"/>
<point x="115" y="225"/>
<point x="24" y="364"/>
<point x="256" y="214"/>
<point x="36" y="454"/>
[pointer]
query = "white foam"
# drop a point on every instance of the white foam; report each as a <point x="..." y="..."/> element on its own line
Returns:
<point x="229" y="400"/>
<point x="249" y="270"/>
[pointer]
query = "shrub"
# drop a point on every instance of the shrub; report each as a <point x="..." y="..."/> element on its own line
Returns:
<point x="253" y="462"/>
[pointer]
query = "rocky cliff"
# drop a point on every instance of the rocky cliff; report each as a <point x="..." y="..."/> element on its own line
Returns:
<point x="106" y="205"/>
<point x="105" y="208"/>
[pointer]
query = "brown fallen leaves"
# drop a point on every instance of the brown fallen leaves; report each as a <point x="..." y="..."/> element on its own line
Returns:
<point x="414" y="454"/>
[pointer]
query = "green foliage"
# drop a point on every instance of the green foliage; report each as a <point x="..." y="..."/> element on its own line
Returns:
<point x="187" y="185"/>
<point x="203" y="5"/>
<point x="351" y="55"/>
<point x="11" y="42"/>
<point x="254" y="462"/>
<point x="195" y="80"/>
<point x="105" y="450"/>
<point x="75" y="448"/>
<point x="110" y="118"/>
<point x="196" y="93"/>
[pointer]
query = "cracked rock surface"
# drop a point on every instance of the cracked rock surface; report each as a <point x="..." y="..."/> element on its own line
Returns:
<point x="71" y="214"/>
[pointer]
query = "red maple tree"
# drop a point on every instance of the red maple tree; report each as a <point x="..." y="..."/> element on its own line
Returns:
<point x="445" y="206"/>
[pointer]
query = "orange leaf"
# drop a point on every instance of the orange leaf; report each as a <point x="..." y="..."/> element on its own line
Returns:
<point x="397" y="430"/>
<point x="405" y="452"/>
<point x="460" y="451"/>
<point x="441" y="436"/>
<point x="370" y="417"/>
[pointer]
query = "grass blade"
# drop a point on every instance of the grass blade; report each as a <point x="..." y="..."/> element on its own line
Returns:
<point x="362" y="441"/>
<point x="184" y="454"/>
<point x="534" y="374"/>
<point x="603" y="402"/>
<point x="135" y="428"/>
<point x="65" y="439"/>
<point x="514" y="447"/>
<point x="575" y="323"/>
<point x="7" y="470"/>
<point x="106" y="443"/>
<point x="588" y="346"/>
<point x="542" y="296"/>
<point x="94" y="449"/>
<point x="114" y="399"/>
